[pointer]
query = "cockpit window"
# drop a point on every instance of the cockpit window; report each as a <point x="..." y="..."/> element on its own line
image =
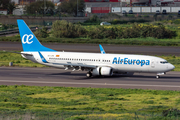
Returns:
<point x="163" y="62"/>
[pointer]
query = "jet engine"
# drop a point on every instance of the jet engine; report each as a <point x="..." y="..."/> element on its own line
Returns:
<point x="102" y="71"/>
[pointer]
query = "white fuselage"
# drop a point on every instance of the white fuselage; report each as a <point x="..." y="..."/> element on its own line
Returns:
<point x="118" y="62"/>
<point x="96" y="64"/>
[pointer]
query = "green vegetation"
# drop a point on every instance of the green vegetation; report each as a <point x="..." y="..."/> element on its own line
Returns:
<point x="126" y="22"/>
<point x="160" y="33"/>
<point x="94" y="20"/>
<point x="38" y="8"/>
<point x="43" y="33"/>
<point x="64" y="29"/>
<point x="18" y="60"/>
<point x="70" y="6"/>
<point x="67" y="30"/>
<point x="154" y="33"/>
<point x="7" y="5"/>
<point x="6" y="26"/>
<point x="22" y="102"/>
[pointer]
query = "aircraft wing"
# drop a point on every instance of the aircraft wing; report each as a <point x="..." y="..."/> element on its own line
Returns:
<point x="80" y="65"/>
<point x="76" y="65"/>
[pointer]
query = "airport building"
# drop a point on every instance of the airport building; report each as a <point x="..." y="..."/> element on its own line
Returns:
<point x="138" y="2"/>
<point x="138" y="6"/>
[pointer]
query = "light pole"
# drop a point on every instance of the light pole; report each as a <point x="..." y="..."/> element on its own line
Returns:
<point x="77" y="8"/>
<point x="120" y="6"/>
<point x="44" y="6"/>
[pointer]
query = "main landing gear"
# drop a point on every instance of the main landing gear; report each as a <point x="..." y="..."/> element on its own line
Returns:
<point x="89" y="74"/>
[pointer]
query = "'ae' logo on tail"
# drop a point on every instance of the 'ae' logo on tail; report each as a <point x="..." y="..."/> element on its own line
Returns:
<point x="27" y="39"/>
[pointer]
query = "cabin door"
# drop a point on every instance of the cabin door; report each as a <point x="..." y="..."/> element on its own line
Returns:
<point x="153" y="63"/>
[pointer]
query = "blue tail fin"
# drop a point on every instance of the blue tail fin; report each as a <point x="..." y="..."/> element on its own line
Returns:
<point x="29" y="41"/>
<point x="101" y="49"/>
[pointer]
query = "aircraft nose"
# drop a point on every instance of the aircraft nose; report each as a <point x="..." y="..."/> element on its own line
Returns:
<point x="171" y="67"/>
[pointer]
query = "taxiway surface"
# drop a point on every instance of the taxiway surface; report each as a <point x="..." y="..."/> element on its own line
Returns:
<point x="58" y="77"/>
<point x="118" y="49"/>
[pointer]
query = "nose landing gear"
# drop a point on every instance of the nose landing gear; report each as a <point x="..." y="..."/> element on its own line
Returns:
<point x="158" y="75"/>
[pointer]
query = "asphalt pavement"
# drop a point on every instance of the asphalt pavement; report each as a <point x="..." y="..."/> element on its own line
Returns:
<point x="118" y="49"/>
<point x="58" y="77"/>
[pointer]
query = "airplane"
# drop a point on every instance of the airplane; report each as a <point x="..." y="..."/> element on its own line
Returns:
<point x="96" y="64"/>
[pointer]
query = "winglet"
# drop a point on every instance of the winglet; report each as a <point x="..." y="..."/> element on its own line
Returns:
<point x="101" y="49"/>
<point x="29" y="41"/>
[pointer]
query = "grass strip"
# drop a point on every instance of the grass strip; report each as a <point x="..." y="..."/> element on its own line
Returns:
<point x="86" y="103"/>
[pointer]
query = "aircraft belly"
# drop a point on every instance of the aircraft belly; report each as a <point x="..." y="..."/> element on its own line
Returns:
<point x="31" y="58"/>
<point x="131" y="68"/>
<point x="158" y="69"/>
<point x="53" y="65"/>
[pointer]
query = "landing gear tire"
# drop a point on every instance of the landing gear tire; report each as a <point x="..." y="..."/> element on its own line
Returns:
<point x="89" y="74"/>
<point x="157" y="76"/>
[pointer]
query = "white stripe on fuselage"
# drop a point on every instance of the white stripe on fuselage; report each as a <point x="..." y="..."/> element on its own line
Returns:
<point x="118" y="62"/>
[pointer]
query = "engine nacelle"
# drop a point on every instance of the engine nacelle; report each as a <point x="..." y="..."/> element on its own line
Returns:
<point x="102" y="71"/>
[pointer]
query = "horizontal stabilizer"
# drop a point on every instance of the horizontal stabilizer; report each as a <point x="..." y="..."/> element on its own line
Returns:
<point x="18" y="53"/>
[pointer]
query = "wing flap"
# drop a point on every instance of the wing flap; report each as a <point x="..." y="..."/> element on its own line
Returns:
<point x="76" y="65"/>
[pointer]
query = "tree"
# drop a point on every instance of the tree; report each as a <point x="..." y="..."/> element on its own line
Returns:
<point x="70" y="6"/>
<point x="38" y="7"/>
<point x="64" y="29"/>
<point x="43" y="33"/>
<point x="11" y="7"/>
<point x="7" y="4"/>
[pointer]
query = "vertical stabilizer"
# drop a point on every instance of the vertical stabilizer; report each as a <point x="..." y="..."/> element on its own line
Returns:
<point x="29" y="41"/>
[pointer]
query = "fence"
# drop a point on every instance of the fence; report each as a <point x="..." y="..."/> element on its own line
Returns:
<point x="100" y="10"/>
<point x="38" y="20"/>
<point x="135" y="9"/>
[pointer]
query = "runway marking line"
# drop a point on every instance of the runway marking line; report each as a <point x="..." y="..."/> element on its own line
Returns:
<point x="44" y="82"/>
